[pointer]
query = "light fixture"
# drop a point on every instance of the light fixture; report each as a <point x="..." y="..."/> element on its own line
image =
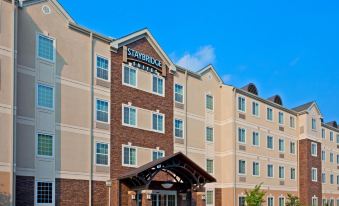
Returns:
<point x="203" y="197"/>
<point x="167" y="185"/>
<point x="148" y="196"/>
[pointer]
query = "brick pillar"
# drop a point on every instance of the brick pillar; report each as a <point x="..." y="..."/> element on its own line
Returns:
<point x="132" y="198"/>
<point x="145" y="200"/>
<point x="198" y="199"/>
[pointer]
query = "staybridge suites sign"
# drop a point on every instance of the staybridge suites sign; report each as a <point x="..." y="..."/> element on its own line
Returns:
<point x="144" y="57"/>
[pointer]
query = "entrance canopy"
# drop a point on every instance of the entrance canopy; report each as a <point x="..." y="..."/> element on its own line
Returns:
<point x="184" y="173"/>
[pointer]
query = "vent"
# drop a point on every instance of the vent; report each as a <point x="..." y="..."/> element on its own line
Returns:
<point x="242" y="147"/>
<point x="242" y="179"/>
<point x="242" y="116"/>
<point x="179" y="105"/>
<point x="281" y="128"/>
<point x="45" y="9"/>
<point x="282" y="182"/>
<point x="282" y="156"/>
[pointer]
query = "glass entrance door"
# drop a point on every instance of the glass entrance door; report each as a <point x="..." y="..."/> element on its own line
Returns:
<point x="164" y="198"/>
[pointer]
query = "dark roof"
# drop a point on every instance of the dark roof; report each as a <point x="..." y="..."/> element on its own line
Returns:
<point x="303" y="107"/>
<point x="332" y="124"/>
<point x="251" y="88"/>
<point x="276" y="99"/>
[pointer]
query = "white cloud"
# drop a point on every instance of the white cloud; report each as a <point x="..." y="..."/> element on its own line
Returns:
<point x="226" y="78"/>
<point x="201" y="58"/>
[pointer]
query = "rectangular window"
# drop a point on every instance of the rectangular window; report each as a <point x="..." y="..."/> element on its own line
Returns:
<point x="281" y="118"/>
<point x="46" y="48"/>
<point x="209" y="197"/>
<point x="281" y="201"/>
<point x="323" y="133"/>
<point x="44" y="192"/>
<point x="338" y="181"/>
<point x="130" y="158"/>
<point x="45" y="96"/>
<point x="270" y="201"/>
<point x="281" y="145"/>
<point x="241" y="135"/>
<point x="179" y="93"/>
<point x="209" y="134"/>
<point x="292" y="122"/>
<point x="281" y="172"/>
<point x="331" y="136"/>
<point x="269" y="115"/>
<point x="331" y="157"/>
<point x="270" y="142"/>
<point x="102" y="68"/>
<point x="324" y="202"/>
<point x="331" y="179"/>
<point x="101" y="153"/>
<point x="323" y="178"/>
<point x="255" y="139"/>
<point x="338" y="161"/>
<point x="292" y="147"/>
<point x="292" y="173"/>
<point x="209" y="166"/>
<point x="314" y="124"/>
<point x="178" y="128"/>
<point x="269" y="170"/>
<point x="256" y="169"/>
<point x="255" y="109"/>
<point x="209" y="102"/>
<point x="102" y="110"/>
<point x="314" y="174"/>
<point x="129" y="116"/>
<point x="338" y="142"/>
<point x="314" y="149"/>
<point x="242" y="167"/>
<point x="45" y="145"/>
<point x="331" y="202"/>
<point x="158" y="85"/>
<point x="242" y="201"/>
<point x="314" y="201"/>
<point x="323" y="155"/>
<point x="158" y="122"/>
<point x="241" y="104"/>
<point x="157" y="154"/>
<point x="130" y="76"/>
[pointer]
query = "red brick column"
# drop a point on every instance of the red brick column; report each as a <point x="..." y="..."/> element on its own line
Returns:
<point x="132" y="198"/>
<point x="197" y="199"/>
<point x="145" y="200"/>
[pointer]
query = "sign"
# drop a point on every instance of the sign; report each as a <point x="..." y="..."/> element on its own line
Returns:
<point x="144" y="57"/>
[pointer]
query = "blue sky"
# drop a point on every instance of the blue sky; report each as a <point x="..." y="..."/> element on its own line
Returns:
<point x="285" y="47"/>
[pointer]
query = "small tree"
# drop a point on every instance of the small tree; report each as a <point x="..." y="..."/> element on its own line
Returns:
<point x="255" y="197"/>
<point x="293" y="200"/>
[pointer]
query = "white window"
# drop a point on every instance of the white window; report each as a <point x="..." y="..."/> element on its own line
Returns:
<point x="338" y="161"/>
<point x="158" y="122"/>
<point x="241" y="135"/>
<point x="270" y="143"/>
<point x="314" y="174"/>
<point x="281" y="145"/>
<point x="270" y="170"/>
<point x="210" y="166"/>
<point x="209" y="102"/>
<point x="46" y="47"/>
<point x="179" y="93"/>
<point x="241" y="104"/>
<point x="178" y="128"/>
<point x="338" y="181"/>
<point x="281" y="201"/>
<point x="281" y="118"/>
<point x="331" y="202"/>
<point x="331" y="157"/>
<point x="209" y="197"/>
<point x="292" y="147"/>
<point x="281" y="172"/>
<point x="255" y="139"/>
<point x="45" y="147"/>
<point x="158" y="85"/>
<point x="323" y="133"/>
<point x="324" y="202"/>
<point x="129" y="116"/>
<point x="44" y="192"/>
<point x="45" y="96"/>
<point x="256" y="169"/>
<point x="331" y="136"/>
<point x="314" y="201"/>
<point x="331" y="179"/>
<point x="242" y="167"/>
<point x="101" y="153"/>
<point x="323" y="155"/>
<point x="270" y="201"/>
<point x="269" y="114"/>
<point x="338" y="142"/>
<point x="242" y="201"/>
<point x="102" y="111"/>
<point x="255" y="109"/>
<point x="323" y="178"/>
<point x="209" y="134"/>
<point x="314" y="124"/>
<point x="292" y="173"/>
<point x="292" y="122"/>
<point x="130" y="76"/>
<point x="157" y="154"/>
<point x="102" y="68"/>
<point x="314" y="149"/>
<point x="129" y="156"/>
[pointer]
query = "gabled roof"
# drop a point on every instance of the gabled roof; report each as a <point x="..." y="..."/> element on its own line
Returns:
<point x="210" y="68"/>
<point x="251" y="88"/>
<point x="143" y="33"/>
<point x="276" y="99"/>
<point x="332" y="124"/>
<point x="305" y="107"/>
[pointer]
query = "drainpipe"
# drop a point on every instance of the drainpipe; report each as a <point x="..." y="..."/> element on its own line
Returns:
<point x="186" y="124"/>
<point x="235" y="147"/>
<point x="92" y="122"/>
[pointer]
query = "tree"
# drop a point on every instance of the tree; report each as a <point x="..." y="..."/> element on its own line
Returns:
<point x="255" y="197"/>
<point x="293" y="200"/>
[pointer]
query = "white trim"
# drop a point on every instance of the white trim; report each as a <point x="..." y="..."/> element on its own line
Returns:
<point x="284" y="145"/>
<point x="163" y="122"/>
<point x="241" y="96"/>
<point x="206" y="109"/>
<point x="295" y="173"/>
<point x="281" y="197"/>
<point x="108" y="153"/>
<point x="96" y="67"/>
<point x="183" y="93"/>
<point x="316" y="149"/>
<point x="213" y="166"/>
<point x="37" y="47"/>
<point x="254" y="115"/>
<point x="254" y="162"/>
<point x="240" y="128"/>
<point x="36" y="191"/>
<point x="294" y="121"/>
<point x="270" y="196"/>
<point x="258" y="139"/>
<point x="239" y="196"/>
<point x="295" y="147"/>
<point x="316" y="174"/>
<point x="37" y="96"/>
<point x="208" y="141"/>
<point x="272" y="170"/>
<point x="37" y="146"/>
<point x="123" y="115"/>
<point x="183" y="128"/>
<point x="284" y="169"/>
<point x="123" y="76"/>
<point x="268" y="107"/>
<point x="163" y="85"/>
<point x="108" y="112"/>
<point x="272" y="142"/>
<point x="213" y="196"/>
<point x="123" y="155"/>
<point x="238" y="167"/>
<point x="283" y="118"/>
<point x="157" y="150"/>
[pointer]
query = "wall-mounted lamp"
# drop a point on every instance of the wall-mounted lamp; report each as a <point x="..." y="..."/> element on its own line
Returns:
<point x="203" y="197"/>
<point x="133" y="197"/>
<point x="149" y="196"/>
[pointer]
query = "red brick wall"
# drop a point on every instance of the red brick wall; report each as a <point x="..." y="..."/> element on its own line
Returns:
<point x="69" y="192"/>
<point x="100" y="193"/>
<point x="218" y="197"/>
<point x="307" y="188"/>
<point x="24" y="190"/>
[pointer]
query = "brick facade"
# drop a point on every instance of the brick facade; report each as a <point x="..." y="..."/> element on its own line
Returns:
<point x="24" y="190"/>
<point x="100" y="193"/>
<point x="69" y="192"/>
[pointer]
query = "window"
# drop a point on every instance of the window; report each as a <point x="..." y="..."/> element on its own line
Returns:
<point x="45" y="96"/>
<point x="130" y="76"/>
<point x="179" y="93"/>
<point x="46" y="48"/>
<point x="281" y="172"/>
<point x="178" y="128"/>
<point x="129" y="116"/>
<point x="158" y="85"/>
<point x="314" y="149"/>
<point x="269" y="170"/>
<point x="292" y="122"/>
<point x="209" y="197"/>
<point x="292" y="147"/>
<point x="209" y="102"/>
<point x="158" y="122"/>
<point x="324" y="202"/>
<point x="241" y="104"/>
<point x="281" y="145"/>
<point x="314" y="201"/>
<point x="256" y="169"/>
<point x="323" y="155"/>
<point x="270" y="201"/>
<point x="281" y="118"/>
<point x="241" y="135"/>
<point x="269" y="142"/>
<point x="338" y="142"/>
<point x="331" y="202"/>
<point x="242" y="201"/>
<point x="102" y="110"/>
<point x="101" y="153"/>
<point x="292" y="173"/>
<point x="269" y="114"/>
<point x="102" y="68"/>
<point x="209" y="166"/>
<point x="331" y="179"/>
<point x="323" y="133"/>
<point x="129" y="156"/>
<point x="338" y="161"/>
<point x="331" y="136"/>
<point x="331" y="157"/>
<point x="44" y="192"/>
<point x="338" y="181"/>
<point x="209" y="134"/>
<point x="314" y="174"/>
<point x="157" y="154"/>
<point x="323" y="178"/>
<point x="281" y="201"/>
<point x="255" y="109"/>
<point x="45" y="145"/>
<point x="314" y="124"/>
<point x="242" y="167"/>
<point x="255" y="139"/>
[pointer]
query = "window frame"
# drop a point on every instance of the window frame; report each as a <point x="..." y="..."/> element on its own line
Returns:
<point x="183" y="128"/>
<point x="284" y="172"/>
<point x="293" y="126"/>
<point x="284" y="145"/>
<point x="206" y="108"/>
<point x="158" y="151"/>
<point x="316" y="199"/>
<point x="267" y="142"/>
<point x="316" y="149"/>
<point x="245" y="167"/>
<point x="163" y="85"/>
<point x="241" y="196"/>
<point x="272" y="113"/>
<point x="313" y="169"/>
<point x="213" y="197"/>
<point x="253" y="139"/>
<point x="108" y="112"/>
<point x="268" y="170"/>
<point x="295" y="173"/>
<point x="123" y="116"/>
<point x="253" y="109"/>
<point x="37" y="145"/>
<point x="253" y="164"/>
<point x="108" y="154"/>
<point x="123" y="155"/>
<point x="283" y="118"/>
<point x="206" y="164"/>
<point x="245" y="135"/>
<point x="295" y="147"/>
<point x="37" y="96"/>
<point x="283" y="198"/>
<point x="206" y="139"/>
<point x="108" y="67"/>
<point x="38" y="34"/>
<point x="244" y="98"/>
<point x="272" y="200"/>
<point x="136" y="76"/>
<point x="313" y="124"/>
<point x="163" y="122"/>
<point x="36" y="191"/>
<point x="183" y="93"/>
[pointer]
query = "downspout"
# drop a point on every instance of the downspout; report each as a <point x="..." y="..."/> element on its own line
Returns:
<point x="90" y="186"/>
<point x="235" y="148"/>
<point x="186" y="123"/>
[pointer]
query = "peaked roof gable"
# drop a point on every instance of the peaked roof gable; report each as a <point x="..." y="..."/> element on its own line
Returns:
<point x="207" y="69"/>
<point x="307" y="107"/>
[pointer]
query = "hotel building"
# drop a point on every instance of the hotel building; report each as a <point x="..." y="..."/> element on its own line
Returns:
<point x="86" y="119"/>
